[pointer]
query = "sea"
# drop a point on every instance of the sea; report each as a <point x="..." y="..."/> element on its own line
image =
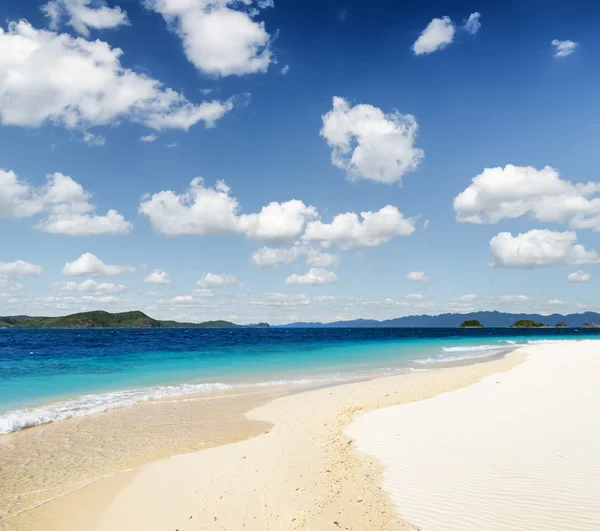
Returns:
<point x="52" y="375"/>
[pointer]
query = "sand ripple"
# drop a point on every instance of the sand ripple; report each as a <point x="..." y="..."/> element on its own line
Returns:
<point x="518" y="451"/>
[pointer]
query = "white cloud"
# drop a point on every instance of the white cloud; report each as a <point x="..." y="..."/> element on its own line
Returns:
<point x="206" y="211"/>
<point x="83" y="15"/>
<point x="90" y="286"/>
<point x="212" y="280"/>
<point x="201" y="210"/>
<point x="370" y="144"/>
<point x="473" y="24"/>
<point x="514" y="191"/>
<point x="278" y="300"/>
<point x="93" y="140"/>
<point x="579" y="276"/>
<point x="285" y="70"/>
<point x="272" y="257"/>
<point x="467" y="297"/>
<point x="318" y="259"/>
<point x="437" y="35"/>
<point x="314" y="277"/>
<point x="540" y="248"/>
<point x="509" y="299"/>
<point x="158" y="276"/>
<point x="555" y="302"/>
<point x="564" y="48"/>
<point x="50" y="77"/>
<point x="64" y="202"/>
<point x="414" y="297"/>
<point x="91" y="265"/>
<point x="148" y="138"/>
<point x="19" y="268"/>
<point x="7" y="284"/>
<point x="173" y="145"/>
<point x="418" y="276"/>
<point x="217" y="38"/>
<point x="277" y="222"/>
<point x="348" y="231"/>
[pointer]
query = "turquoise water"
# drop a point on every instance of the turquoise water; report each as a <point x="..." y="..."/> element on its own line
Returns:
<point x="48" y="375"/>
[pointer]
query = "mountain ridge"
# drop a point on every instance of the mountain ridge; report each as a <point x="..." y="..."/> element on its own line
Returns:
<point x="489" y="319"/>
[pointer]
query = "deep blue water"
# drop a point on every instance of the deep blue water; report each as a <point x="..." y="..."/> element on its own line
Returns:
<point x="94" y="370"/>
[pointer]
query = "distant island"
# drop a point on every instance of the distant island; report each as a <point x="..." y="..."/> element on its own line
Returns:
<point x="488" y="319"/>
<point x="527" y="323"/>
<point x="100" y="319"/>
<point x="471" y="323"/>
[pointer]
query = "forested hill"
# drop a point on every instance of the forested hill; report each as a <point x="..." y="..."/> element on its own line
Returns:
<point x="100" y="319"/>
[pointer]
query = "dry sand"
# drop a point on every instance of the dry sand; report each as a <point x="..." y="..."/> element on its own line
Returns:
<point x="302" y="474"/>
<point x="517" y="451"/>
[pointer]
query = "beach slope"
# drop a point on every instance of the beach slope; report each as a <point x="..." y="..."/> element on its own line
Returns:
<point x="518" y="450"/>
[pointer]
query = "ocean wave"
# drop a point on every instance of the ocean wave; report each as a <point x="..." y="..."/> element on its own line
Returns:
<point x="89" y="404"/>
<point x="477" y="348"/>
<point x="466" y="353"/>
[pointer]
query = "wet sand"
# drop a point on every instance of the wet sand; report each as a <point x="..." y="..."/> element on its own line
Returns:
<point x="301" y="472"/>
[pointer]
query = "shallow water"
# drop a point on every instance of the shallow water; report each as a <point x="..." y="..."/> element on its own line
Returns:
<point x="51" y="375"/>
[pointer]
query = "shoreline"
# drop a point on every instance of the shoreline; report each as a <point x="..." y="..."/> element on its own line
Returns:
<point x="518" y="450"/>
<point x="282" y="413"/>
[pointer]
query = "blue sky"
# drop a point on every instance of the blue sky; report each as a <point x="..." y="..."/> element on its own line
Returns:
<point x="428" y="109"/>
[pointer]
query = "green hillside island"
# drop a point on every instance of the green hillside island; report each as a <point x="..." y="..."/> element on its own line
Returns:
<point x="100" y="319"/>
<point x="471" y="323"/>
<point x="527" y="323"/>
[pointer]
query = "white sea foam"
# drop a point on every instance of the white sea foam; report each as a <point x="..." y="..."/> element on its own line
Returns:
<point x="19" y="419"/>
<point x="95" y="403"/>
<point x="474" y="348"/>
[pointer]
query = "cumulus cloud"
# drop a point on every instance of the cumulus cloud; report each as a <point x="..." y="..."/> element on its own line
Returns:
<point x="7" y="284"/>
<point x="540" y="248"/>
<point x="273" y="257"/>
<point x="279" y="300"/>
<point x="63" y="201"/>
<point x="207" y="211"/>
<point x="414" y="297"/>
<point x="370" y="144"/>
<point x="220" y="37"/>
<point x="148" y="138"/>
<point x="84" y="15"/>
<point x="514" y="191"/>
<point x="212" y="280"/>
<point x="57" y="78"/>
<point x="418" y="276"/>
<point x="158" y="276"/>
<point x="93" y="140"/>
<point x="90" y="265"/>
<point x="437" y="35"/>
<point x="20" y="268"/>
<point x="277" y="222"/>
<point x="90" y="286"/>
<point x="509" y="299"/>
<point x="473" y="23"/>
<point x="314" y="277"/>
<point x="563" y="48"/>
<point x="579" y="276"/>
<point x="318" y="259"/>
<point x="348" y="230"/>
<point x="555" y="302"/>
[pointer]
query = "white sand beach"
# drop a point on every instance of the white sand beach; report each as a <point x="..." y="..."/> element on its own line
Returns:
<point x="451" y="449"/>
<point x="518" y="450"/>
